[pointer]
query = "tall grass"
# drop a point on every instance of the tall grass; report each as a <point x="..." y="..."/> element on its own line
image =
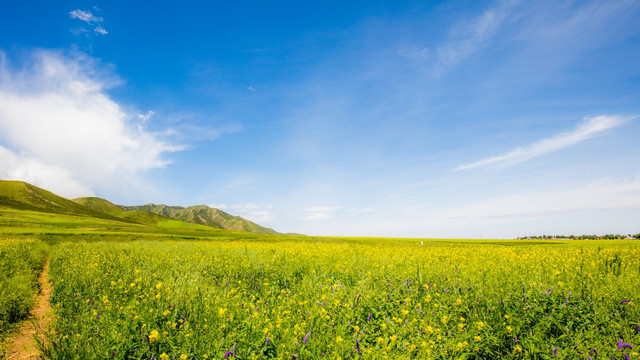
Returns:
<point x="21" y="261"/>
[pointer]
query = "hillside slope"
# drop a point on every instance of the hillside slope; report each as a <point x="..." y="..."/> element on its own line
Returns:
<point x="202" y="214"/>
<point x="24" y="196"/>
<point x="107" y="207"/>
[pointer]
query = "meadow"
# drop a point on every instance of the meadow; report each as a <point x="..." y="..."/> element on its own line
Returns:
<point x="296" y="297"/>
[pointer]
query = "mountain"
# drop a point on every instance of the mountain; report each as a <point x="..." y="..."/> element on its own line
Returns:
<point x="107" y="207"/>
<point x="202" y="214"/>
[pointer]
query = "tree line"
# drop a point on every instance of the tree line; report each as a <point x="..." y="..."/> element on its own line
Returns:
<point x="581" y="237"/>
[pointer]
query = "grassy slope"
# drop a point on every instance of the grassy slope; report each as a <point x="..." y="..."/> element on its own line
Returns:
<point x="24" y="196"/>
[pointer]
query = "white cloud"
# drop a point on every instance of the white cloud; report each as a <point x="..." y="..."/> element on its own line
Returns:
<point x="589" y="128"/>
<point x="250" y="88"/>
<point x="147" y="116"/>
<point x="318" y="216"/>
<point x="321" y="212"/>
<point x="100" y="30"/>
<point x="85" y="16"/>
<point x="217" y="206"/>
<point x="90" y="19"/>
<point x="323" y="208"/>
<point x="56" y="118"/>
<point x="260" y="214"/>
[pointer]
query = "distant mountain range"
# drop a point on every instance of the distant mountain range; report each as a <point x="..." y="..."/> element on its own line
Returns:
<point x="24" y="196"/>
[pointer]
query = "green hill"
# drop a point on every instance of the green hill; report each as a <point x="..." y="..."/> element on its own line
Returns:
<point x="107" y="207"/>
<point x="202" y="214"/>
<point x="23" y="196"/>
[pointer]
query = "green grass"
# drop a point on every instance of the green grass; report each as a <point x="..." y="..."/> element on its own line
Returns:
<point x="21" y="261"/>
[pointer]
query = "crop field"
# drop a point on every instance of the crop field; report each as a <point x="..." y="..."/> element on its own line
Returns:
<point x="312" y="298"/>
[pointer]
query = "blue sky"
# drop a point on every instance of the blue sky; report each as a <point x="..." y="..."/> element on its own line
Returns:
<point x="365" y="118"/>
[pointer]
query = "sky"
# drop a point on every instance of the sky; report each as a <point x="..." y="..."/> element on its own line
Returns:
<point x="483" y="119"/>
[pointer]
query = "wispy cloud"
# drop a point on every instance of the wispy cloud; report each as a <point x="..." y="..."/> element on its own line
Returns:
<point x="85" y="16"/>
<point x="91" y="20"/>
<point x="589" y="128"/>
<point x="320" y="212"/>
<point x="261" y="214"/>
<point x="465" y="39"/>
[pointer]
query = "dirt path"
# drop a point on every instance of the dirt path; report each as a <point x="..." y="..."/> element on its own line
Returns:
<point x="23" y="344"/>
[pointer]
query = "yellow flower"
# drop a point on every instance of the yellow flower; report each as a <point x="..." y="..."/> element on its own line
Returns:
<point x="164" y="356"/>
<point x="339" y="339"/>
<point x="183" y="357"/>
<point x="444" y="319"/>
<point x="166" y="312"/>
<point x="158" y="286"/>
<point x="356" y="328"/>
<point x="477" y="338"/>
<point x="518" y="348"/>
<point x="153" y="336"/>
<point x="509" y="329"/>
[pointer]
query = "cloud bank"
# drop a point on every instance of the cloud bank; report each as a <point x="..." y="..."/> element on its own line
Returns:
<point x="59" y="129"/>
<point x="589" y="128"/>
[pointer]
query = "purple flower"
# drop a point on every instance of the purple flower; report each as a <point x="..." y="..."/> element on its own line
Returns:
<point x="596" y="351"/>
<point x="98" y="316"/>
<point x="626" y="357"/>
<point x="227" y="354"/>
<point x="293" y="356"/>
<point x="624" y="301"/>
<point x="267" y="342"/>
<point x="358" y="298"/>
<point x="622" y="345"/>
<point x="304" y="341"/>
<point x="555" y="351"/>
<point x="369" y="318"/>
<point x="357" y="347"/>
<point x="548" y="291"/>
<point x="516" y="338"/>
<point x="153" y="356"/>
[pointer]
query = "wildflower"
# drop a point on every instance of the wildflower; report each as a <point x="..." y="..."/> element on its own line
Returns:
<point x="153" y="336"/>
<point x="624" y="301"/>
<point x="158" y="286"/>
<point x="304" y="341"/>
<point x="357" y="347"/>
<point x="339" y="339"/>
<point x="518" y="348"/>
<point x="596" y="351"/>
<point x="555" y="351"/>
<point x="622" y="345"/>
<point x="477" y="338"/>
<point x="183" y="357"/>
<point x="369" y="318"/>
<point x="227" y="354"/>
<point x="164" y="356"/>
<point x="293" y="356"/>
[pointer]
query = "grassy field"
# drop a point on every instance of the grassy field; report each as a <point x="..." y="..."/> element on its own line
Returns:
<point x="174" y="290"/>
<point x="313" y="298"/>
